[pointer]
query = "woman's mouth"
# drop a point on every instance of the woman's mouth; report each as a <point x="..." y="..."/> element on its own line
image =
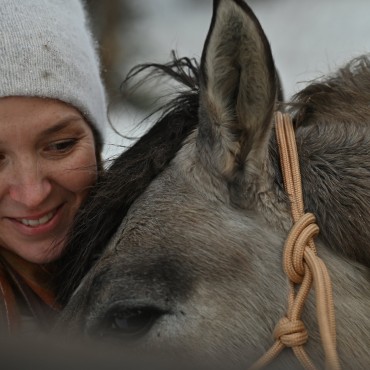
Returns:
<point x="37" y="222"/>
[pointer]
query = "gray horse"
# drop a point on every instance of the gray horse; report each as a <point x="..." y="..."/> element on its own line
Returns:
<point x="192" y="262"/>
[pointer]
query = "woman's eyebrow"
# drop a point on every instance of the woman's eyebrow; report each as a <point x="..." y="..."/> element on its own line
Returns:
<point x="61" y="125"/>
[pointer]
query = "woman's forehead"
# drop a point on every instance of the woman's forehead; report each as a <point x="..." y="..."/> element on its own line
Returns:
<point x="38" y="116"/>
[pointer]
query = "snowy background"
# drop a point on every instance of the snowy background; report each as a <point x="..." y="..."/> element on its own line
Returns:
<point x="308" y="39"/>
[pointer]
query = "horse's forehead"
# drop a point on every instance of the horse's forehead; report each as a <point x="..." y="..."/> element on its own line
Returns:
<point x="173" y="216"/>
<point x="183" y="193"/>
<point x="186" y="212"/>
<point x="185" y="181"/>
<point x="169" y="205"/>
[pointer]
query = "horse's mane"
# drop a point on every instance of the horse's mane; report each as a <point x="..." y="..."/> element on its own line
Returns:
<point x="332" y="117"/>
<point x="342" y="96"/>
<point x="129" y="175"/>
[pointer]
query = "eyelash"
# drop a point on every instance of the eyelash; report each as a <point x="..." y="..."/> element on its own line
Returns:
<point x="64" y="146"/>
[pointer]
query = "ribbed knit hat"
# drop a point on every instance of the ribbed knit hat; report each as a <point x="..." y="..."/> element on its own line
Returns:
<point x="47" y="50"/>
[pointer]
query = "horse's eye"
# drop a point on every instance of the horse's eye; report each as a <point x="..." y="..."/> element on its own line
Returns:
<point x="129" y="323"/>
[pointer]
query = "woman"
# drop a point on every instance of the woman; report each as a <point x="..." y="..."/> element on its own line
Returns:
<point x="52" y="115"/>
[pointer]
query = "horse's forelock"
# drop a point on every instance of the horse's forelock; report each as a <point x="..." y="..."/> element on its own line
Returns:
<point x="128" y="176"/>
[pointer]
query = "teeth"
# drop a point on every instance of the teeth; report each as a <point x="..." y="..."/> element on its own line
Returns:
<point x="40" y="221"/>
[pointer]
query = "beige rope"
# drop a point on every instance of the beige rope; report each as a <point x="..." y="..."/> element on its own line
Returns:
<point x="302" y="266"/>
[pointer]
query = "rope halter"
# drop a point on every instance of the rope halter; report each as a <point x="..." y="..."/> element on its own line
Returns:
<point x="302" y="266"/>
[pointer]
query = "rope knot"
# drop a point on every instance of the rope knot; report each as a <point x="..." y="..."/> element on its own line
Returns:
<point x="300" y="236"/>
<point x="291" y="333"/>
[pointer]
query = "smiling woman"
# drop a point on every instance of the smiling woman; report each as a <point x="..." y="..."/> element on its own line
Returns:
<point x="52" y="118"/>
<point x="47" y="165"/>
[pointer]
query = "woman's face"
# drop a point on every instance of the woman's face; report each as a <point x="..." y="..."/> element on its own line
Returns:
<point x="47" y="165"/>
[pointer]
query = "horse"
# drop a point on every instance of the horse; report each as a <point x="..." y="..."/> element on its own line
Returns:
<point x="179" y="245"/>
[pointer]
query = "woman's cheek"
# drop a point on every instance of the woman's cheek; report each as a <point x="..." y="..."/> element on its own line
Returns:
<point x="79" y="172"/>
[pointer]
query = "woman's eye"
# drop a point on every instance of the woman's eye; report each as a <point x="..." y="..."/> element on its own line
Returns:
<point x="62" y="146"/>
<point x="2" y="158"/>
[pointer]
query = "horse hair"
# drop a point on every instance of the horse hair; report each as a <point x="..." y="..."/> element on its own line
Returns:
<point x="332" y="118"/>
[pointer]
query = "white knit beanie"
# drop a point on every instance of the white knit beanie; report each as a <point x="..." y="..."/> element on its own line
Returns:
<point x="47" y="50"/>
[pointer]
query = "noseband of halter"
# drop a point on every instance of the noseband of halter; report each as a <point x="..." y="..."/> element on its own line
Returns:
<point x="302" y="266"/>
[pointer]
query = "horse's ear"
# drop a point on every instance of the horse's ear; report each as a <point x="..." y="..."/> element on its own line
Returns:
<point x="238" y="88"/>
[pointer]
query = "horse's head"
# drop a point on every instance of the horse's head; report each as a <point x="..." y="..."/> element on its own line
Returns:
<point x="195" y="264"/>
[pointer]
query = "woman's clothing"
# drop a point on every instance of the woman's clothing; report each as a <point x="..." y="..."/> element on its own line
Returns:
<point x="26" y="306"/>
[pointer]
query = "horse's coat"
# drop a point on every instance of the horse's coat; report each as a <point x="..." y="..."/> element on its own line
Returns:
<point x="195" y="265"/>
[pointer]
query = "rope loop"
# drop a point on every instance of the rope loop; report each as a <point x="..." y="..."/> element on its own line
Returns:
<point x="300" y="237"/>
<point x="291" y="333"/>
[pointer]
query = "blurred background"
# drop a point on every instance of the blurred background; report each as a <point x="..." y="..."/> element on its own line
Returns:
<point x="308" y="40"/>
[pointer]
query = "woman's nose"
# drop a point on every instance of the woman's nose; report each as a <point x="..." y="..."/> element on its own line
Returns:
<point x="29" y="186"/>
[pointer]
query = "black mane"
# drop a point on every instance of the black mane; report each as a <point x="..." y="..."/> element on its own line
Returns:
<point x="128" y="176"/>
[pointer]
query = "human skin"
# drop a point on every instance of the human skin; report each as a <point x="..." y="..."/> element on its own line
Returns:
<point x="47" y="166"/>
